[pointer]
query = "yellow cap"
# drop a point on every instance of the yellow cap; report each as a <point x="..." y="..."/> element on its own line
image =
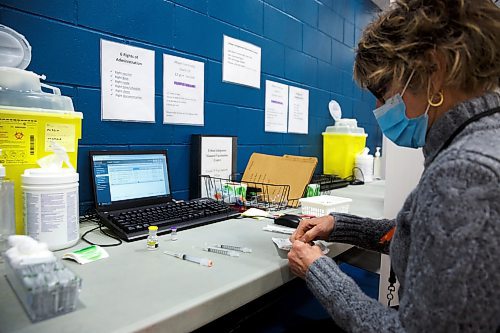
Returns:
<point x="152" y="227"/>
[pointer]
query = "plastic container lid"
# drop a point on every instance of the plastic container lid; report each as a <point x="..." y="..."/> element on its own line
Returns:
<point x="44" y="176"/>
<point x="335" y="110"/>
<point x="345" y="126"/>
<point x="15" y="51"/>
<point x="21" y="88"/>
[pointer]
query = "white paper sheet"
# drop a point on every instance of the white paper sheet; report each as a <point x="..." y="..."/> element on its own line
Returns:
<point x="276" y="111"/>
<point x="286" y="244"/>
<point x="216" y="159"/>
<point x="241" y="62"/>
<point x="127" y="82"/>
<point x="183" y="91"/>
<point x="298" y="110"/>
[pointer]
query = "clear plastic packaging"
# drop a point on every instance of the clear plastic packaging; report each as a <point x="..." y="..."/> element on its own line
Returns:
<point x="46" y="290"/>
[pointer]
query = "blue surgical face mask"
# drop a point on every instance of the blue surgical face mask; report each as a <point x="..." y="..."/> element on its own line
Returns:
<point x="403" y="131"/>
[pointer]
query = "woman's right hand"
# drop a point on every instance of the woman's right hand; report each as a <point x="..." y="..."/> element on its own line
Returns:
<point x="313" y="229"/>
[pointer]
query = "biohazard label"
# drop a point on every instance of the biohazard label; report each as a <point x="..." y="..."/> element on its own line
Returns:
<point x="18" y="141"/>
<point x="62" y="134"/>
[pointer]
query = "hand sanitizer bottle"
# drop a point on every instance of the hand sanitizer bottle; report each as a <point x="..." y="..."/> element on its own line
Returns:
<point x="376" y="164"/>
<point x="7" y="220"/>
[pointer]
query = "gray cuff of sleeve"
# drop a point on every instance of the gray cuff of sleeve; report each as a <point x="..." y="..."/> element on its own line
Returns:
<point x="347" y="228"/>
<point x="360" y="231"/>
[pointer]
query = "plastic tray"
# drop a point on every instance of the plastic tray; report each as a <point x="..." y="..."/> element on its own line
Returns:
<point x="45" y="290"/>
<point x="324" y="204"/>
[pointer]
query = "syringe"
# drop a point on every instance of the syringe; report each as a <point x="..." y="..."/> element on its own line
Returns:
<point x="221" y="251"/>
<point x="201" y="261"/>
<point x="234" y="248"/>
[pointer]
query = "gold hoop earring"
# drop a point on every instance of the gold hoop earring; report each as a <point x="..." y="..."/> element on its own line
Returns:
<point x="439" y="103"/>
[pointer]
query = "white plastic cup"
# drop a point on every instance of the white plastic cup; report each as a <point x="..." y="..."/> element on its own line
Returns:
<point x="51" y="206"/>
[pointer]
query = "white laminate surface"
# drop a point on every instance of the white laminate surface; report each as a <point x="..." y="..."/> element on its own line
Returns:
<point x="136" y="289"/>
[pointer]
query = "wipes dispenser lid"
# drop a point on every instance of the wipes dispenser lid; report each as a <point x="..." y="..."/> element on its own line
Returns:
<point x="42" y="176"/>
<point x="21" y="88"/>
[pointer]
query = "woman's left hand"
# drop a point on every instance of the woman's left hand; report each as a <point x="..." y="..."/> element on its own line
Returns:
<point x="301" y="256"/>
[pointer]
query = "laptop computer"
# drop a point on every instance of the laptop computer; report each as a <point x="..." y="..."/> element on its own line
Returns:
<point x="132" y="191"/>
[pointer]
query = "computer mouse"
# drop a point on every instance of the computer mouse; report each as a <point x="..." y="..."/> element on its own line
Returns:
<point x="288" y="220"/>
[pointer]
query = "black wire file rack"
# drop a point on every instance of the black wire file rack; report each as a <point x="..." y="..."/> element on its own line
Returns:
<point x="244" y="195"/>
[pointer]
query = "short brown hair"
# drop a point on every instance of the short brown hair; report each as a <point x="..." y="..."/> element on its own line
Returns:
<point x="466" y="32"/>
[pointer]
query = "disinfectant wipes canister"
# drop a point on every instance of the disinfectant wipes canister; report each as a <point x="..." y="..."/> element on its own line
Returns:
<point x="51" y="206"/>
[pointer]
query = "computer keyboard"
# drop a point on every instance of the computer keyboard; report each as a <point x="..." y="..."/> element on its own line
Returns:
<point x="329" y="182"/>
<point x="131" y="225"/>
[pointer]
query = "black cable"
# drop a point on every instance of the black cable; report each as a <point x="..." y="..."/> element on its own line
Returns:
<point x="91" y="216"/>
<point x="353" y="180"/>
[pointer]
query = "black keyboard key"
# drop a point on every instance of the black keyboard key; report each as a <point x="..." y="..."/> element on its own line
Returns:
<point x="167" y="222"/>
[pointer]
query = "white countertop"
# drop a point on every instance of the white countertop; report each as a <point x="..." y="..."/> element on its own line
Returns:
<point x="136" y="289"/>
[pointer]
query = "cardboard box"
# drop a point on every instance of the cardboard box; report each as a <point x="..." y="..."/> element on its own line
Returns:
<point x="295" y="171"/>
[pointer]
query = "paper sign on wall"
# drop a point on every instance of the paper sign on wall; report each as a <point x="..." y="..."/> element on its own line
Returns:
<point x="276" y="111"/>
<point x="217" y="156"/>
<point x="216" y="159"/>
<point x="127" y="82"/>
<point x="241" y="62"/>
<point x="298" y="110"/>
<point x="183" y="90"/>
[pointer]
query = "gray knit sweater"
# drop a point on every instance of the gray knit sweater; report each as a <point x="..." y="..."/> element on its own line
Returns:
<point x="446" y="248"/>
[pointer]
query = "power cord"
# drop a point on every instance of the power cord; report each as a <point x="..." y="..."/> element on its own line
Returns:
<point x="91" y="216"/>
<point x="352" y="178"/>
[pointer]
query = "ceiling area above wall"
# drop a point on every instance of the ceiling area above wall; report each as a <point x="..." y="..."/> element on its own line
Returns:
<point x="382" y="4"/>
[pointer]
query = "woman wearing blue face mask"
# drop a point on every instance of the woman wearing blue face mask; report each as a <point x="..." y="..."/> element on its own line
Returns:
<point x="434" y="67"/>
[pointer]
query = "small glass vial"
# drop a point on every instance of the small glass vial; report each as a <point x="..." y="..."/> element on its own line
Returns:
<point x="152" y="240"/>
<point x="173" y="233"/>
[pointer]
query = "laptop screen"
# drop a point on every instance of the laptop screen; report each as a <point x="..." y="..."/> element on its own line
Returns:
<point x="121" y="177"/>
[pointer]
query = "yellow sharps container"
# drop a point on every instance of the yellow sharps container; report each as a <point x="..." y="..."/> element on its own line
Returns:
<point x="30" y="121"/>
<point x="341" y="144"/>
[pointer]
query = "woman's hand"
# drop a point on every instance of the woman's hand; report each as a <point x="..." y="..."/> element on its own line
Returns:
<point x="313" y="229"/>
<point x="301" y="256"/>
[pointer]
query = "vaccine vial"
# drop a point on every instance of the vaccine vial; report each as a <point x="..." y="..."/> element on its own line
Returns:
<point x="173" y="234"/>
<point x="152" y="240"/>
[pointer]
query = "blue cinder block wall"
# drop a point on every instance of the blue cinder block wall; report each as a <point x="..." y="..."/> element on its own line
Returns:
<point x="305" y="43"/>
